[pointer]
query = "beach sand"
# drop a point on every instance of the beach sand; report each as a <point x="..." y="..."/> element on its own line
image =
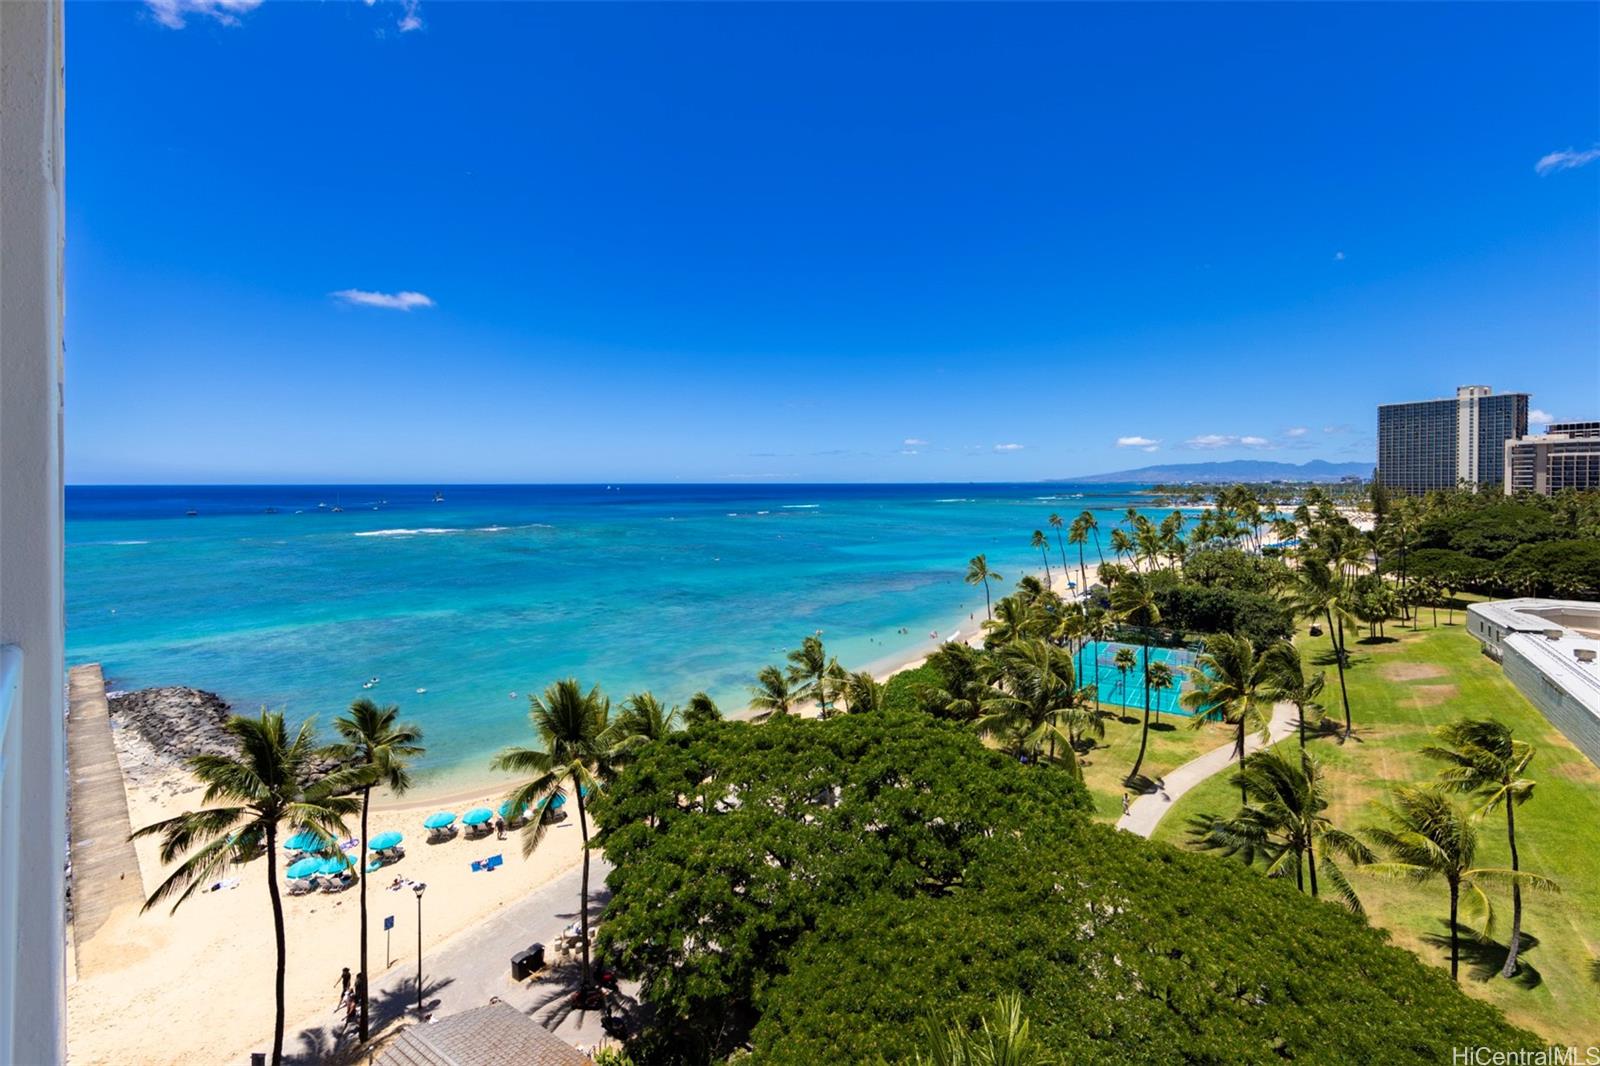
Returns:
<point x="196" y="986"/>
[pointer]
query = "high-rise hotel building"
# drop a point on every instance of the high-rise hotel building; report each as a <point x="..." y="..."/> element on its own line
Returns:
<point x="1439" y="444"/>
<point x="1565" y="456"/>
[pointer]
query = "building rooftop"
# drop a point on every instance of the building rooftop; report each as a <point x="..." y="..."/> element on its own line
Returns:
<point x="496" y="1035"/>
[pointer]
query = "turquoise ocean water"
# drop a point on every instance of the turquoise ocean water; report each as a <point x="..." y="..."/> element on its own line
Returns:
<point x="269" y="596"/>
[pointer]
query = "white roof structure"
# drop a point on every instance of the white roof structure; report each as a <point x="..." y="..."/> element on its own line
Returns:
<point x="1549" y="649"/>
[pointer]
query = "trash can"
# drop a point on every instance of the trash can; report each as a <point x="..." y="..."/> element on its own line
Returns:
<point x="524" y="964"/>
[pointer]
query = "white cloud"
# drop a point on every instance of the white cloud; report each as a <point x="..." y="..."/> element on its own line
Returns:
<point x="1338" y="257"/>
<point x="394" y="301"/>
<point x="1008" y="447"/>
<point x="1537" y="417"/>
<point x="909" y="451"/>
<point x="172" y="13"/>
<point x="1296" y="431"/>
<point x="1254" y="442"/>
<point x="913" y="442"/>
<point x="411" y="20"/>
<point x="1146" y="443"/>
<point x="1211" y="440"/>
<point x="1566" y="160"/>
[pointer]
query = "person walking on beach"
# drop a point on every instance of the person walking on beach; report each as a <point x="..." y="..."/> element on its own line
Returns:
<point x="500" y="827"/>
<point x="344" y="986"/>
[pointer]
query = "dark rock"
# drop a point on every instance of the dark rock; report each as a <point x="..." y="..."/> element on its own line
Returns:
<point x="176" y="723"/>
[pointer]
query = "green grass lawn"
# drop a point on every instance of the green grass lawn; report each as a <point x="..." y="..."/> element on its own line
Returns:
<point x="1399" y="691"/>
<point x="1172" y="743"/>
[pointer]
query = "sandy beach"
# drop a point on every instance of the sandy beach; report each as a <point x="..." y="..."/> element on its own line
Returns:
<point x="206" y="972"/>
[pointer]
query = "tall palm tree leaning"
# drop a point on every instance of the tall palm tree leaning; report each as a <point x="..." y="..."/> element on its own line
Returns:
<point x="1290" y="683"/>
<point x="1230" y="680"/>
<point x="978" y="573"/>
<point x="1135" y="605"/>
<point x="1429" y="836"/>
<point x="1056" y="522"/>
<point x="1079" y="535"/>
<point x="374" y="739"/>
<point x="1317" y="593"/>
<point x="265" y="784"/>
<point x="572" y="727"/>
<point x="1038" y="541"/>
<point x="1483" y="760"/>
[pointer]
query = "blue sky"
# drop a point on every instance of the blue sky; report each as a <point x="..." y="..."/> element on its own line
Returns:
<point x="815" y="242"/>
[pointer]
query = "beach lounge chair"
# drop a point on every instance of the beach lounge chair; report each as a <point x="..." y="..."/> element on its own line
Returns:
<point x="301" y="886"/>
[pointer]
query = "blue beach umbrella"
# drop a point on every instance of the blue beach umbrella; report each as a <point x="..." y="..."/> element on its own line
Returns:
<point x="304" y="868"/>
<point x="556" y="802"/>
<point x="385" y="841"/>
<point x="305" y="840"/>
<point x="336" y="864"/>
<point x="477" y="816"/>
<point x="439" y="820"/>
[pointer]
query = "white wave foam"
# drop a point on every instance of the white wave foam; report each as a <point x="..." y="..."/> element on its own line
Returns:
<point x="130" y="542"/>
<point x="405" y="532"/>
<point x="954" y="499"/>
<point x="801" y="506"/>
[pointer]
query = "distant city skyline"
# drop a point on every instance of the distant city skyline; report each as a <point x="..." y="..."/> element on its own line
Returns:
<point x="548" y="243"/>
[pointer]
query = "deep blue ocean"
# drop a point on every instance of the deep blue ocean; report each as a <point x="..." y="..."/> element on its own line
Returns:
<point x="270" y="596"/>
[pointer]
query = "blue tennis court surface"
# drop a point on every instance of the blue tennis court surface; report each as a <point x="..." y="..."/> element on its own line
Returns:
<point x="1129" y="691"/>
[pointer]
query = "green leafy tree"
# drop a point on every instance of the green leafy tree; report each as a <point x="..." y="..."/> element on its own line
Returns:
<point x="1231" y="682"/>
<point x="573" y="730"/>
<point x="1427" y="837"/>
<point x="1483" y="760"/>
<point x="978" y="573"/>
<point x="267" y="783"/>
<point x="375" y="739"/>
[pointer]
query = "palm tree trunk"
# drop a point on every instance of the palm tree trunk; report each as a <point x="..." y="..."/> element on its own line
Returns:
<point x="1299" y="871"/>
<point x="583" y="914"/>
<point x="1302" y="724"/>
<point x="1045" y="555"/>
<point x="1338" y="658"/>
<point x="1061" y="547"/>
<point x="1083" y="574"/>
<point x="363" y="980"/>
<point x="987" y="610"/>
<point x="1510" y="968"/>
<point x="1455" y="938"/>
<point x="1239" y="744"/>
<point x="1311" y="864"/>
<point x="283" y="950"/>
<point x="1097" y="550"/>
<point x="1144" y="731"/>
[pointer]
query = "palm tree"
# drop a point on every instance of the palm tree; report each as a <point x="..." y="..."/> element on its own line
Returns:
<point x="978" y="573"/>
<point x="1290" y="683"/>
<point x="1014" y="619"/>
<point x="1093" y="526"/>
<point x="1121" y="544"/>
<point x="1282" y="820"/>
<point x="374" y="738"/>
<point x="643" y="719"/>
<point x="1007" y="1042"/>
<point x="701" y="709"/>
<point x="1035" y="689"/>
<point x="1483" y="760"/>
<point x="862" y="692"/>
<point x="1124" y="661"/>
<point x="1428" y="836"/>
<point x="770" y="695"/>
<point x="1134" y="602"/>
<point x="1160" y="679"/>
<point x="1056" y="523"/>
<point x="572" y="727"/>
<point x="1043" y="545"/>
<point x="814" y="673"/>
<point x="1318" y="592"/>
<point x="269" y="781"/>
<point x="1079" y="535"/>
<point x="1231" y="681"/>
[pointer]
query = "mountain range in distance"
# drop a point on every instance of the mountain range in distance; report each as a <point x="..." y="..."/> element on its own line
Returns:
<point x="1236" y="470"/>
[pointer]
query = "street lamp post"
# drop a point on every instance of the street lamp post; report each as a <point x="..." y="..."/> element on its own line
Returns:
<point x="418" y="887"/>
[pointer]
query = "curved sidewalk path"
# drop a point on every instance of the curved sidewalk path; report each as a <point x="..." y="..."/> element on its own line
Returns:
<point x="1146" y="812"/>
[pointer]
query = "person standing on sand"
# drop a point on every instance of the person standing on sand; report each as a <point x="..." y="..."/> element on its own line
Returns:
<point x="500" y="827"/>
<point x="344" y="986"/>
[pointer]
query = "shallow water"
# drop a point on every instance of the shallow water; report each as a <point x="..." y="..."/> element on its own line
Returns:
<point x="499" y="590"/>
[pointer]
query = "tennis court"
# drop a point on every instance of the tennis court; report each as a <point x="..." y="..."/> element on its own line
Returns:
<point x="1129" y="691"/>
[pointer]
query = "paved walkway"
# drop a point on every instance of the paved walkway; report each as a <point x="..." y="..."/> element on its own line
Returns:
<point x="470" y="968"/>
<point x="1146" y="812"/>
<point x="105" y="867"/>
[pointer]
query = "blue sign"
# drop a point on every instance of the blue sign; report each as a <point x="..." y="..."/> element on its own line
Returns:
<point x="388" y="923"/>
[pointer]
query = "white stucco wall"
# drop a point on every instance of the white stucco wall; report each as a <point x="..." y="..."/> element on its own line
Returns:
<point x="32" y="746"/>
